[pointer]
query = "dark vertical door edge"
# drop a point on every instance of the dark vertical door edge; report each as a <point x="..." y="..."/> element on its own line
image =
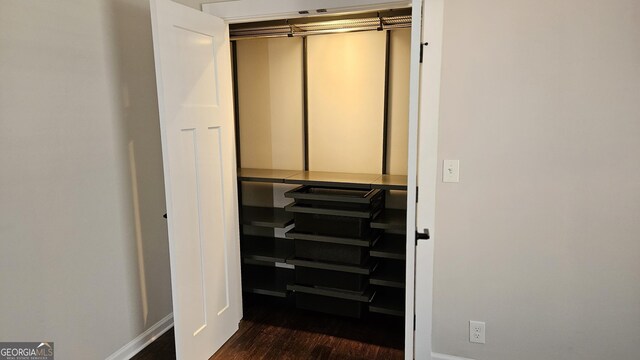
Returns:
<point x="385" y="122"/>
<point x="236" y="105"/>
<point x="236" y="117"/>
<point x="305" y="103"/>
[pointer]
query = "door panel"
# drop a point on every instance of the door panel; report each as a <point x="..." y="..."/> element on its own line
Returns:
<point x="196" y="54"/>
<point x="193" y="73"/>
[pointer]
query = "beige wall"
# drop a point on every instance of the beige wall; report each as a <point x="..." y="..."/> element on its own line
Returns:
<point x="346" y="88"/>
<point x="398" y="125"/>
<point x="540" y="101"/>
<point x="346" y="102"/>
<point x="270" y="103"/>
<point x="81" y="189"/>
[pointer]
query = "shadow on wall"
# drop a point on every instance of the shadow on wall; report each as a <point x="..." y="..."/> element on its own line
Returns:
<point x="131" y="52"/>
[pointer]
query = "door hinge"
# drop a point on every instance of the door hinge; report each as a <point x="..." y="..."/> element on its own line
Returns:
<point x="417" y="193"/>
<point x="422" y="45"/>
<point x="422" y="235"/>
<point x="414" y="322"/>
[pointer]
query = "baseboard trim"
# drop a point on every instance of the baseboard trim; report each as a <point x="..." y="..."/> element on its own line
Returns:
<point x="144" y="339"/>
<point x="438" y="356"/>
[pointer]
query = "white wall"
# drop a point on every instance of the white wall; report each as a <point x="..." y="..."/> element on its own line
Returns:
<point x="78" y="112"/>
<point x="540" y="101"/>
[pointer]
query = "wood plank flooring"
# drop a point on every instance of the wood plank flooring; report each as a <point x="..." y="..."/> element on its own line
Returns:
<point x="272" y="332"/>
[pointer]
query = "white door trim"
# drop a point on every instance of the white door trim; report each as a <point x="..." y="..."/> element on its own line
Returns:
<point x="237" y="11"/>
<point x="427" y="171"/>
<point x="414" y="93"/>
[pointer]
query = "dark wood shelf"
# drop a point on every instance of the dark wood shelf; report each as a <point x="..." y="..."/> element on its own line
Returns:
<point x="334" y="195"/>
<point x="388" y="301"/>
<point x="362" y="270"/>
<point x="266" y="217"/>
<point x="321" y="178"/>
<point x="390" y="246"/>
<point x="266" y="249"/>
<point x="305" y="209"/>
<point x="391" y="219"/>
<point x="389" y="273"/>
<point x="265" y="175"/>
<point x="267" y="281"/>
<point x="347" y="295"/>
<point x="368" y="241"/>
<point x="265" y="290"/>
<point x="390" y="182"/>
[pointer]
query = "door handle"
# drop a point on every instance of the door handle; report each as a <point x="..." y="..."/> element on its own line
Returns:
<point x="422" y="235"/>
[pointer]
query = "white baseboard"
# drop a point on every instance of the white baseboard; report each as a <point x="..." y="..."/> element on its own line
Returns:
<point x="144" y="339"/>
<point x="438" y="356"/>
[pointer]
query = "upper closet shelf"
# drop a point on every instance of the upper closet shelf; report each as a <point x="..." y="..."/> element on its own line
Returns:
<point x="390" y="182"/>
<point x="321" y="178"/>
<point x="265" y="175"/>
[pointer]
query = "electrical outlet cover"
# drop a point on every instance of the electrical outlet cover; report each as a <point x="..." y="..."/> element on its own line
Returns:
<point x="477" y="332"/>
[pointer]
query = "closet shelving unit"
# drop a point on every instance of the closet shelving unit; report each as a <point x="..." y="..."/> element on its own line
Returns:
<point x="328" y="268"/>
<point x="261" y="254"/>
<point x="334" y="244"/>
<point x="389" y="277"/>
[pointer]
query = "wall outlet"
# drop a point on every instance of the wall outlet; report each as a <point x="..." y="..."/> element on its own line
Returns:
<point x="476" y="332"/>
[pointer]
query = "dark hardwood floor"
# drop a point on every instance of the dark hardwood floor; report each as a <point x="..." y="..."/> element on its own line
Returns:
<point x="163" y="348"/>
<point x="275" y="332"/>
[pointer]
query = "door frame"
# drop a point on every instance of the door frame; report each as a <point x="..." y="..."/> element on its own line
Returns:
<point x="423" y="119"/>
<point x="427" y="165"/>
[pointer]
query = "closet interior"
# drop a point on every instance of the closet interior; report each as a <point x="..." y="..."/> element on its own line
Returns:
<point x="321" y="106"/>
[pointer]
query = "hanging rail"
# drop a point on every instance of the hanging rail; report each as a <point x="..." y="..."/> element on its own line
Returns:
<point x="317" y="25"/>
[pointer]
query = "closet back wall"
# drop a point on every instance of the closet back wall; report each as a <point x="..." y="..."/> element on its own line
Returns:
<point x="270" y="109"/>
<point x="270" y="103"/>
<point x="346" y="87"/>
<point x="346" y="101"/>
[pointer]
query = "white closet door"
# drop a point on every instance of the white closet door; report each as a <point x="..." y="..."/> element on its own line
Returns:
<point x="193" y="70"/>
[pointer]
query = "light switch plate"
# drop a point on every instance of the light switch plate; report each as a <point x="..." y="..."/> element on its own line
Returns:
<point x="451" y="171"/>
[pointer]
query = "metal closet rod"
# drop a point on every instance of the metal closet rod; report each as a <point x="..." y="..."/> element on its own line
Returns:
<point x="320" y="25"/>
